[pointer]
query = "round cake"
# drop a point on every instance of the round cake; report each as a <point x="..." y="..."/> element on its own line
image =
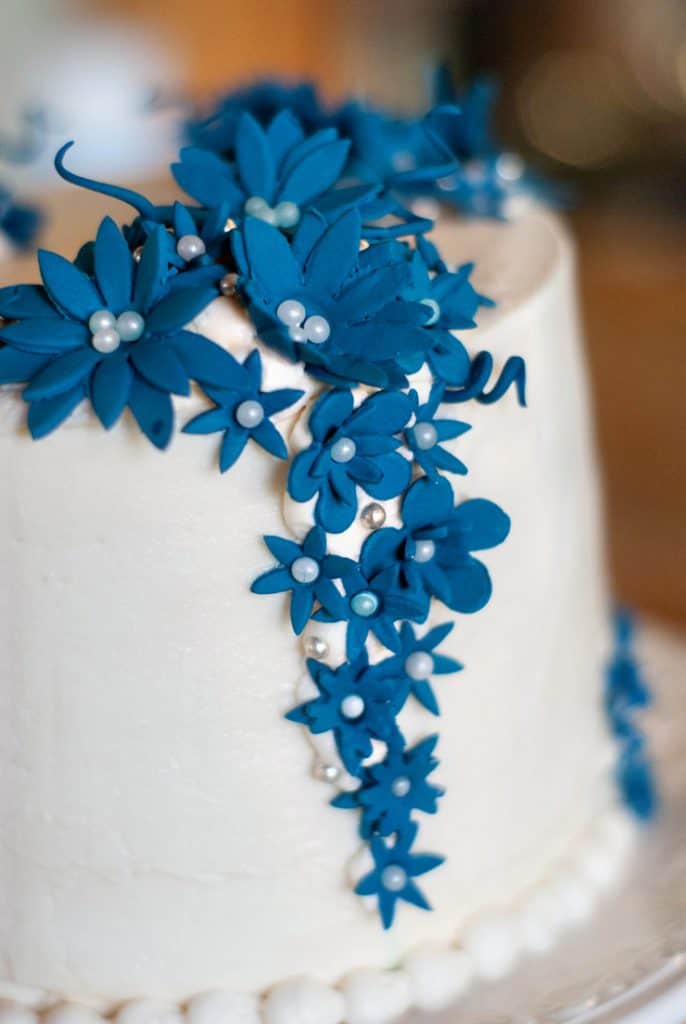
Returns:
<point x="249" y="769"/>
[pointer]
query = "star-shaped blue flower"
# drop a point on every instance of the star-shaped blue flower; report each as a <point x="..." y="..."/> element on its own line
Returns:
<point x="373" y="605"/>
<point x="355" y="704"/>
<point x="275" y="173"/>
<point x="424" y="437"/>
<point x="395" y="869"/>
<point x="351" y="448"/>
<point x="115" y="336"/>
<point x="433" y="549"/>
<point x="242" y="411"/>
<point x="307" y="571"/>
<point x="418" y="660"/>
<point x="320" y="300"/>
<point x="393" y="788"/>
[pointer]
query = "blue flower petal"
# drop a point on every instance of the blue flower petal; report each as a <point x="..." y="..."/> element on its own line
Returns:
<point x="231" y="448"/>
<point x="314" y="545"/>
<point x="284" y="550"/>
<point x="275" y="581"/>
<point x="301" y="608"/>
<point x="316" y="173"/>
<point x="270" y="439"/>
<point x="209" y="422"/>
<point x="204" y="361"/>
<point x="160" y="366"/>
<point x="109" y="389"/>
<point x="254" y="159"/>
<point x="45" y="416"/>
<point x="113" y="266"/>
<point x="69" y="288"/>
<point x="483" y="523"/>
<point x="269" y="259"/>
<point x="17" y="367"/>
<point x="470" y="586"/>
<point x="47" y="336"/>
<point x="152" y="270"/>
<point x="329" y="411"/>
<point x="335" y="255"/>
<point x="62" y="374"/>
<point x="153" y="411"/>
<point x="25" y="301"/>
<point x="177" y="309"/>
<point x="396" y="474"/>
<point x="301" y="485"/>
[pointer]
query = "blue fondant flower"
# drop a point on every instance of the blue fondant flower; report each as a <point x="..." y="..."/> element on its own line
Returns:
<point x="115" y="336"/>
<point x="373" y="605"/>
<point x="418" y="661"/>
<point x="393" y="788"/>
<point x="394" y="872"/>
<point x="433" y="550"/>
<point x="274" y="172"/>
<point x="424" y="437"/>
<point x="636" y="780"/>
<point x="242" y="411"/>
<point x="19" y="222"/>
<point x="322" y="301"/>
<point x="351" y="448"/>
<point x="307" y="571"/>
<point x="353" y="703"/>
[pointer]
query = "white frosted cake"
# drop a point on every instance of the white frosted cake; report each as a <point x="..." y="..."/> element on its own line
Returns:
<point x="169" y="842"/>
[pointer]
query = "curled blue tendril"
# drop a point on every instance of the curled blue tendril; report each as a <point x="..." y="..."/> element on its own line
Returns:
<point x="512" y="373"/>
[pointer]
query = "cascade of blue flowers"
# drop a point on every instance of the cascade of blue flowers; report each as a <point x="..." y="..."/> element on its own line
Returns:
<point x="305" y="217"/>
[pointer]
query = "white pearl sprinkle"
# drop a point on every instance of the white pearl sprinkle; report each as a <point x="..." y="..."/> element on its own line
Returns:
<point x="255" y="206"/>
<point x="130" y="325"/>
<point x="424" y="550"/>
<point x="106" y="340"/>
<point x="373" y="516"/>
<point x="249" y="414"/>
<point x="290" y="312"/>
<point x="419" y="665"/>
<point x="189" y="247"/>
<point x="317" y="329"/>
<point x="287" y="214"/>
<point x="394" y="878"/>
<point x="435" y="311"/>
<point x="343" y="450"/>
<point x="305" y="569"/>
<point x="316" y="647"/>
<point x="101" y="320"/>
<point x="401" y="786"/>
<point x="425" y="436"/>
<point x="296" y="333"/>
<point x="352" y="706"/>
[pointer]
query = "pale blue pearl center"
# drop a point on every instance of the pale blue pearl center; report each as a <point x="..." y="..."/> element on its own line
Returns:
<point x="343" y="450"/>
<point x="365" y="603"/>
<point x="401" y="786"/>
<point x="352" y="706"/>
<point x="419" y="665"/>
<point x="189" y="247"/>
<point x="302" y="328"/>
<point x="305" y="569"/>
<point x="249" y="414"/>
<point x="424" y="550"/>
<point x="425" y="435"/>
<point x="394" y="878"/>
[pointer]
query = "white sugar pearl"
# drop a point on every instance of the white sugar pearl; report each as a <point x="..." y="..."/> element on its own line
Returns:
<point x="424" y="551"/>
<point x="106" y="340"/>
<point x="255" y="206"/>
<point x="291" y="312"/>
<point x="435" y="311"/>
<point x="130" y="325"/>
<point x="343" y="450"/>
<point x="189" y="247"/>
<point x="401" y="786"/>
<point x="352" y="706"/>
<point x="394" y="878"/>
<point x="425" y="436"/>
<point x="101" y="320"/>
<point x="364" y="604"/>
<point x="317" y="329"/>
<point x="287" y="214"/>
<point x="305" y="570"/>
<point x="249" y="414"/>
<point x="316" y="647"/>
<point x="303" y="1001"/>
<point x="419" y="665"/>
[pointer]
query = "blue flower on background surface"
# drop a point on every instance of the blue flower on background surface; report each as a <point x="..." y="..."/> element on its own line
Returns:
<point x="372" y="605"/>
<point x="355" y="704"/>
<point x="243" y="411"/>
<point x="432" y="551"/>
<point x="418" y="660"/>
<point x="115" y="337"/>
<point x="274" y="173"/>
<point x="307" y="571"/>
<point x="351" y="448"/>
<point x="322" y="301"/>
<point x="626" y="691"/>
<point x="395" y="868"/>
<point x="21" y="223"/>
<point x="393" y="788"/>
<point x="424" y="437"/>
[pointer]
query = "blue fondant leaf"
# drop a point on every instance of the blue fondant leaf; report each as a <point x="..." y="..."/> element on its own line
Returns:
<point x="69" y="288"/>
<point x="113" y="266"/>
<point x="109" y="389"/>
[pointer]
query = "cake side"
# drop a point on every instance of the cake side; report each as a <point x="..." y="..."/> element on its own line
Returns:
<point x="163" y="832"/>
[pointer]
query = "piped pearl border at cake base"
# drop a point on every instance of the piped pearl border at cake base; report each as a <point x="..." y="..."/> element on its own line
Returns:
<point x="430" y="978"/>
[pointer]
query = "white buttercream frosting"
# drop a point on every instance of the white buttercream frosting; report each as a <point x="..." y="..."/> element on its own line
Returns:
<point x="163" y="833"/>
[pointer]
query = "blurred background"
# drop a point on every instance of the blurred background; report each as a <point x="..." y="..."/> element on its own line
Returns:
<point x="592" y="92"/>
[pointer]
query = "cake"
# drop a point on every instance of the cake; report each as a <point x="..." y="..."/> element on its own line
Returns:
<point x="330" y="733"/>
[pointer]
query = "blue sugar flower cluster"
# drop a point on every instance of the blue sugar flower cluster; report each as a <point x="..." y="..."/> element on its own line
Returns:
<point x="305" y="218"/>
<point x="626" y="692"/>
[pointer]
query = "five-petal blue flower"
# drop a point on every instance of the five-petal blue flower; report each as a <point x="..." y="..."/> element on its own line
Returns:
<point x="424" y="437"/>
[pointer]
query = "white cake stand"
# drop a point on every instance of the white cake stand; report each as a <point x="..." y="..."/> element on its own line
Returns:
<point x="628" y="965"/>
